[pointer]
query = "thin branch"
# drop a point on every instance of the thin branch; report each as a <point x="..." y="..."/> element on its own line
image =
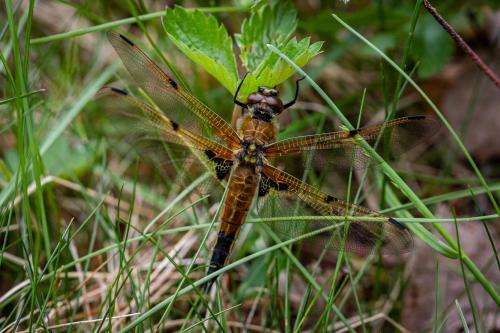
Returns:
<point x="462" y="44"/>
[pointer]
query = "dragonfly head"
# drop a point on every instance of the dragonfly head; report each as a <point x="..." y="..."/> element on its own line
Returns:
<point x="265" y="104"/>
<point x="268" y="91"/>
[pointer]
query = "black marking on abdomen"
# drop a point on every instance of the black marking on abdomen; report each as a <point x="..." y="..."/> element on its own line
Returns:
<point x="353" y="132"/>
<point x="221" y="252"/>
<point x="127" y="40"/>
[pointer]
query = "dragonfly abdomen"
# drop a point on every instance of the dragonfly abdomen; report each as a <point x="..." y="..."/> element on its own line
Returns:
<point x="242" y="188"/>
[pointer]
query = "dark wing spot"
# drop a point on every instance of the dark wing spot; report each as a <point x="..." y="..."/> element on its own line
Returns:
<point x="175" y="126"/>
<point x="210" y="154"/>
<point x="417" y="117"/>
<point x="266" y="184"/>
<point x="173" y="83"/>
<point x="263" y="188"/>
<point x="127" y="40"/>
<point x="281" y="186"/>
<point x="119" y="91"/>
<point x="397" y="224"/>
<point x="222" y="167"/>
<point x="330" y="199"/>
<point x="353" y="132"/>
<point x="277" y="186"/>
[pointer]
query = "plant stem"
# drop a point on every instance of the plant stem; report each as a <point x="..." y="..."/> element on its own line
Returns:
<point x="462" y="44"/>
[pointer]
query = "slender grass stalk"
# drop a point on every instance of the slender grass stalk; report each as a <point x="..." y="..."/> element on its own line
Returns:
<point x="434" y="108"/>
<point x="462" y="317"/>
<point x="188" y="329"/>
<point x="429" y="238"/>
<point x="423" y="233"/>
<point x="144" y="30"/>
<point x="181" y="284"/>
<point x="437" y="299"/>
<point x="487" y="229"/>
<point x="446" y="197"/>
<point x="26" y="150"/>
<point x="31" y="93"/>
<point x="6" y="25"/>
<point x="298" y="326"/>
<point x="87" y="95"/>
<point x="305" y="273"/>
<point x="129" y="20"/>
<point x="287" y="313"/>
<point x="410" y="194"/>
<point x="169" y="300"/>
<point x="106" y="249"/>
<point x="404" y="60"/>
<point x="467" y="286"/>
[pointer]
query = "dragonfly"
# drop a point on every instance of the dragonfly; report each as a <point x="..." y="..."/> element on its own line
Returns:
<point x="242" y="155"/>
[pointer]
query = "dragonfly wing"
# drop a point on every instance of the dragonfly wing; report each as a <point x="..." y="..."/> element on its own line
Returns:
<point x="154" y="125"/>
<point x="341" y="149"/>
<point x="361" y="233"/>
<point x="171" y="98"/>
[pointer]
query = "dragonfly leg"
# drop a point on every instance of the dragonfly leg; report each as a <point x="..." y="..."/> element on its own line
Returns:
<point x="292" y="102"/>
<point x="235" y="98"/>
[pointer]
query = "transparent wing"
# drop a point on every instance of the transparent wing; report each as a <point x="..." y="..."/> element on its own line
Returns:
<point x="153" y="125"/>
<point x="172" y="99"/>
<point x="341" y="149"/>
<point x="364" y="231"/>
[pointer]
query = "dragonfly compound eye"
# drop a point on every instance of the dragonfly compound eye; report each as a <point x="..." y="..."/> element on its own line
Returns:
<point x="275" y="104"/>
<point x="255" y="98"/>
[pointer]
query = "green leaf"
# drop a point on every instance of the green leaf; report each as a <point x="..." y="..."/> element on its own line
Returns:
<point x="63" y="159"/>
<point x="274" y="70"/>
<point x="267" y="25"/>
<point x="206" y="42"/>
<point x="433" y="47"/>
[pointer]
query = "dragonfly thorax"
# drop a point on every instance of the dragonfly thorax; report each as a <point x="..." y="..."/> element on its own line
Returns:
<point x="250" y="154"/>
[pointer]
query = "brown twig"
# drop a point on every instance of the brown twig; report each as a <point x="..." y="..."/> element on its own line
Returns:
<point x="462" y="44"/>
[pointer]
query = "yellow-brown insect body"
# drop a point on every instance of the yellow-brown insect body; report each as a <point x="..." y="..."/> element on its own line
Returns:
<point x="246" y="148"/>
<point x="257" y="131"/>
<point x="256" y="127"/>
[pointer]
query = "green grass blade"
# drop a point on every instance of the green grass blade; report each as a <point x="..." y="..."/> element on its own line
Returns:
<point x="467" y="286"/>
<point x="31" y="93"/>
<point x="462" y="317"/>
<point x="426" y="236"/>
<point x="129" y="20"/>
